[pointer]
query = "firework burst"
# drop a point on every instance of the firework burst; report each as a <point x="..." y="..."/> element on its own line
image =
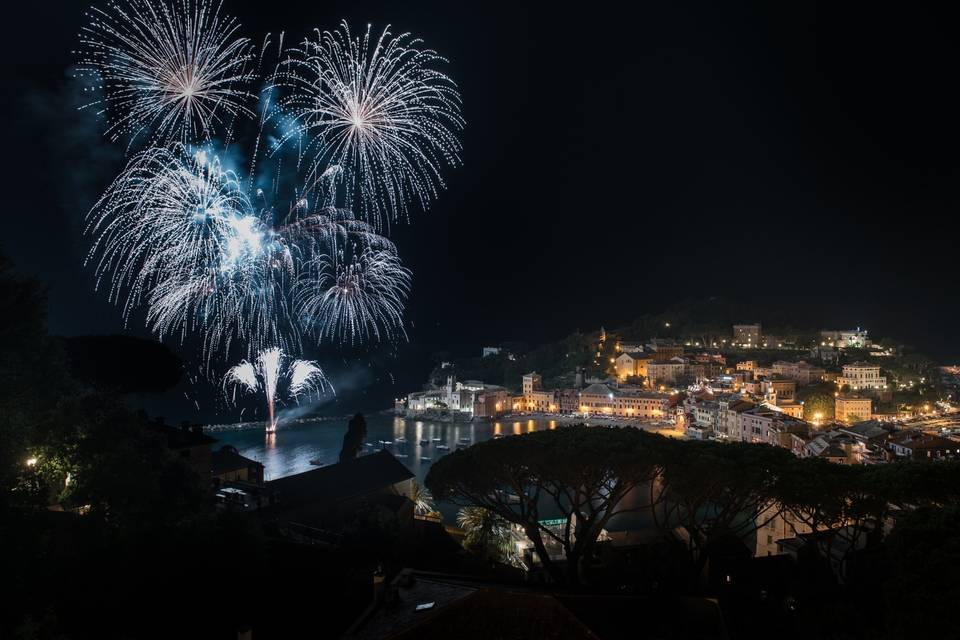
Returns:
<point x="269" y="373"/>
<point x="172" y="70"/>
<point x="353" y="299"/>
<point x="179" y="234"/>
<point x="379" y="109"/>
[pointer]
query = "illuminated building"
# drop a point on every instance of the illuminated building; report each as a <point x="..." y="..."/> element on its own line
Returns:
<point x="853" y="409"/>
<point x="665" y="371"/>
<point x="599" y="399"/>
<point x="862" y="375"/>
<point x="849" y="339"/>
<point x="747" y="334"/>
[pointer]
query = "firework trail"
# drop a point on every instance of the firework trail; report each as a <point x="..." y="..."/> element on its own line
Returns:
<point x="174" y="70"/>
<point x="379" y="109"/>
<point x="269" y="372"/>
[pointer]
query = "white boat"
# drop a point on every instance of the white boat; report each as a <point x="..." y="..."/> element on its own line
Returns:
<point x="425" y="459"/>
<point x="437" y="439"/>
<point x="442" y="447"/>
<point x="399" y="455"/>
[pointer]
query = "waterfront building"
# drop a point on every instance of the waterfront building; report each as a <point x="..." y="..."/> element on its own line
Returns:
<point x="568" y="400"/>
<point x="318" y="499"/>
<point x="491" y="402"/>
<point x="227" y="465"/>
<point x="600" y="399"/>
<point x="532" y="382"/>
<point x="862" y="375"/>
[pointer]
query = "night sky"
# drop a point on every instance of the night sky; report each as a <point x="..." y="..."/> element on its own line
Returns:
<point x="614" y="163"/>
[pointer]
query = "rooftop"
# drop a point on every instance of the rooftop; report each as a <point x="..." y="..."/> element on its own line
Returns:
<point x="341" y="481"/>
<point x="228" y="459"/>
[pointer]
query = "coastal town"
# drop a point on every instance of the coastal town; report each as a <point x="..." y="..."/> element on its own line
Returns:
<point x="842" y="397"/>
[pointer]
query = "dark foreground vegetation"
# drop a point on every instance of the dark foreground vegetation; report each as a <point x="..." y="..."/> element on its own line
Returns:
<point x="105" y="533"/>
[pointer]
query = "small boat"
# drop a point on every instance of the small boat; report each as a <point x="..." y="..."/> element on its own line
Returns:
<point x="424" y="443"/>
<point x="401" y="440"/>
<point x="464" y="441"/>
<point x="317" y="462"/>
<point x="399" y="455"/>
<point x="386" y="442"/>
<point x="442" y="447"/>
<point x="436" y="439"/>
<point x="497" y="436"/>
<point x="425" y="459"/>
<point x="368" y="444"/>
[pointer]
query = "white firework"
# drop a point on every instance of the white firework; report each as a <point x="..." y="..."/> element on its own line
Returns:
<point x="353" y="300"/>
<point x="178" y="234"/>
<point x="269" y="373"/>
<point x="169" y="70"/>
<point x="378" y="108"/>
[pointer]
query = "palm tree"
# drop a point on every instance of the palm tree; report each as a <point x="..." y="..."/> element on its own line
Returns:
<point x="422" y="500"/>
<point x="487" y="534"/>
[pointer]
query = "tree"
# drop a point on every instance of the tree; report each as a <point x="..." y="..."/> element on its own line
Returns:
<point x="422" y="500"/>
<point x="486" y="534"/>
<point x="354" y="437"/>
<point x="715" y="490"/>
<point x="582" y="473"/>
<point x="923" y="552"/>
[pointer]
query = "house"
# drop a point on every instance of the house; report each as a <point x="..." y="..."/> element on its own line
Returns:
<point x="188" y="442"/>
<point x="632" y="364"/>
<point x="924" y="446"/>
<point x="731" y="422"/>
<point x="801" y="372"/>
<point x="227" y="465"/>
<point x="666" y="372"/>
<point x="424" y="605"/>
<point x="322" y="497"/>
<point x="869" y="431"/>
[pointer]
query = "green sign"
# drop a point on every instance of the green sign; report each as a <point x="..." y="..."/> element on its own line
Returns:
<point x="559" y="522"/>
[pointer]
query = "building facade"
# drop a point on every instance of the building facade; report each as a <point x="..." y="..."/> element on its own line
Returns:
<point x="862" y="375"/>
<point x="849" y="410"/>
